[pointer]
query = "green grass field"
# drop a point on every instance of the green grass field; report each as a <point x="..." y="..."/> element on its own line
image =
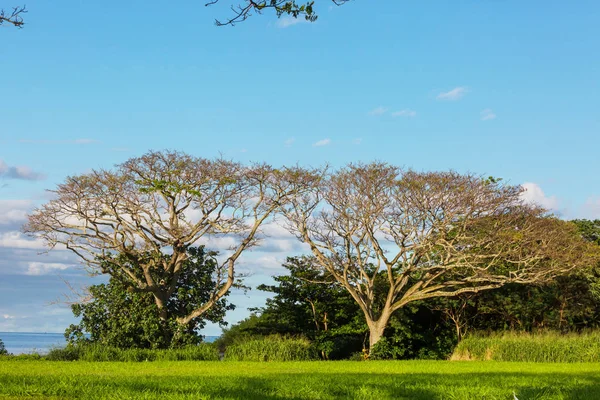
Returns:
<point x="298" y="380"/>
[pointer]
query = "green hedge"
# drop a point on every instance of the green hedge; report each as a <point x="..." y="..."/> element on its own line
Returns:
<point x="525" y="347"/>
<point x="272" y="348"/>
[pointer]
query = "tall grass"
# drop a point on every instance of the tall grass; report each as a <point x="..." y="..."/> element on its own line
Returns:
<point x="526" y="347"/>
<point x="96" y="352"/>
<point x="272" y="348"/>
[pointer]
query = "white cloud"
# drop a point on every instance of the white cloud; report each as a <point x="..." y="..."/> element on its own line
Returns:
<point x="454" y="94"/>
<point x="268" y="262"/>
<point x="286" y="22"/>
<point x="13" y="211"/>
<point x="289" y="142"/>
<point x="20" y="241"/>
<point x="378" y="111"/>
<point x="591" y="208"/>
<point x="7" y="316"/>
<point x="487" y="114"/>
<point x="404" y="113"/>
<point x="41" y="268"/>
<point x="357" y="141"/>
<point x="323" y="142"/>
<point x="534" y="194"/>
<point x="19" y="172"/>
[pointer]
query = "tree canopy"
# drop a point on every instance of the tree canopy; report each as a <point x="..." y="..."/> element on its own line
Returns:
<point x="432" y="234"/>
<point x="138" y="221"/>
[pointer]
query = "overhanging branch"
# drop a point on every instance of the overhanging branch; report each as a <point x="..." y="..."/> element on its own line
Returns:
<point x="14" y="17"/>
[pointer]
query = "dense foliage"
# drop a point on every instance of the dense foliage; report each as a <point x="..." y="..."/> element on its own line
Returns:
<point x="121" y="317"/>
<point x="3" y="350"/>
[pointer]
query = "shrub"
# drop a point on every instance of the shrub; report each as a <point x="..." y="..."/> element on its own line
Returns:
<point x="68" y="353"/>
<point x="525" y="347"/>
<point x="272" y="348"/>
<point x="385" y="350"/>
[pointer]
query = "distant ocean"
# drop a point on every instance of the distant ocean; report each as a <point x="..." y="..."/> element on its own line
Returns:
<point x="26" y="342"/>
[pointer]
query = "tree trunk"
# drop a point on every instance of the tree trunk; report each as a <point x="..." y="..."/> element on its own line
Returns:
<point x="376" y="329"/>
<point x="163" y="315"/>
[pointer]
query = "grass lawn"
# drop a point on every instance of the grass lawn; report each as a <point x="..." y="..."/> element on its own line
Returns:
<point x="298" y="380"/>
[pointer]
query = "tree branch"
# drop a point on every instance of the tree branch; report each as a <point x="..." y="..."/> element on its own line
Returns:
<point x="14" y="17"/>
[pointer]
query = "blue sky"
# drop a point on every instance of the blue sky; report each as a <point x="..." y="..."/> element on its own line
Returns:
<point x="503" y="88"/>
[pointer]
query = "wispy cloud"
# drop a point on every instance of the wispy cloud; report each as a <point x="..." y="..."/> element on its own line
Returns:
<point x="357" y="141"/>
<point x="40" y="268"/>
<point x="19" y="172"/>
<point x="534" y="194"/>
<point x="378" y="110"/>
<point x="454" y="94"/>
<point x="487" y="114"/>
<point x="323" y="142"/>
<point x="289" y="142"/>
<point x="286" y="22"/>
<point x="50" y="141"/>
<point x="404" y="113"/>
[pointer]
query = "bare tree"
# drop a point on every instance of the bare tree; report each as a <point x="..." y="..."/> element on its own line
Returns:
<point x="138" y="220"/>
<point x="427" y="235"/>
<point x="242" y="11"/>
<point x="13" y="17"/>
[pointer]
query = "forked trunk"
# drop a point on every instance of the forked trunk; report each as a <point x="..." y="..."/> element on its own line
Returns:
<point x="376" y="329"/>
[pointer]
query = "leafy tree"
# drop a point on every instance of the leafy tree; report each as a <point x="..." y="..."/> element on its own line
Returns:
<point x="427" y="235"/>
<point x="3" y="350"/>
<point x="310" y="302"/>
<point x="121" y="317"/>
<point x="305" y="303"/>
<point x="590" y="230"/>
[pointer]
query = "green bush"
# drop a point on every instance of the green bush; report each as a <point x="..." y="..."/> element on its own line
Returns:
<point x="68" y="353"/>
<point x="384" y="349"/>
<point x="3" y="351"/>
<point x="272" y="348"/>
<point x="526" y="347"/>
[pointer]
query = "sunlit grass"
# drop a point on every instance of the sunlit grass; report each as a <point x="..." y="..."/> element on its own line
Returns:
<point x="298" y="380"/>
<point x="525" y="347"/>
